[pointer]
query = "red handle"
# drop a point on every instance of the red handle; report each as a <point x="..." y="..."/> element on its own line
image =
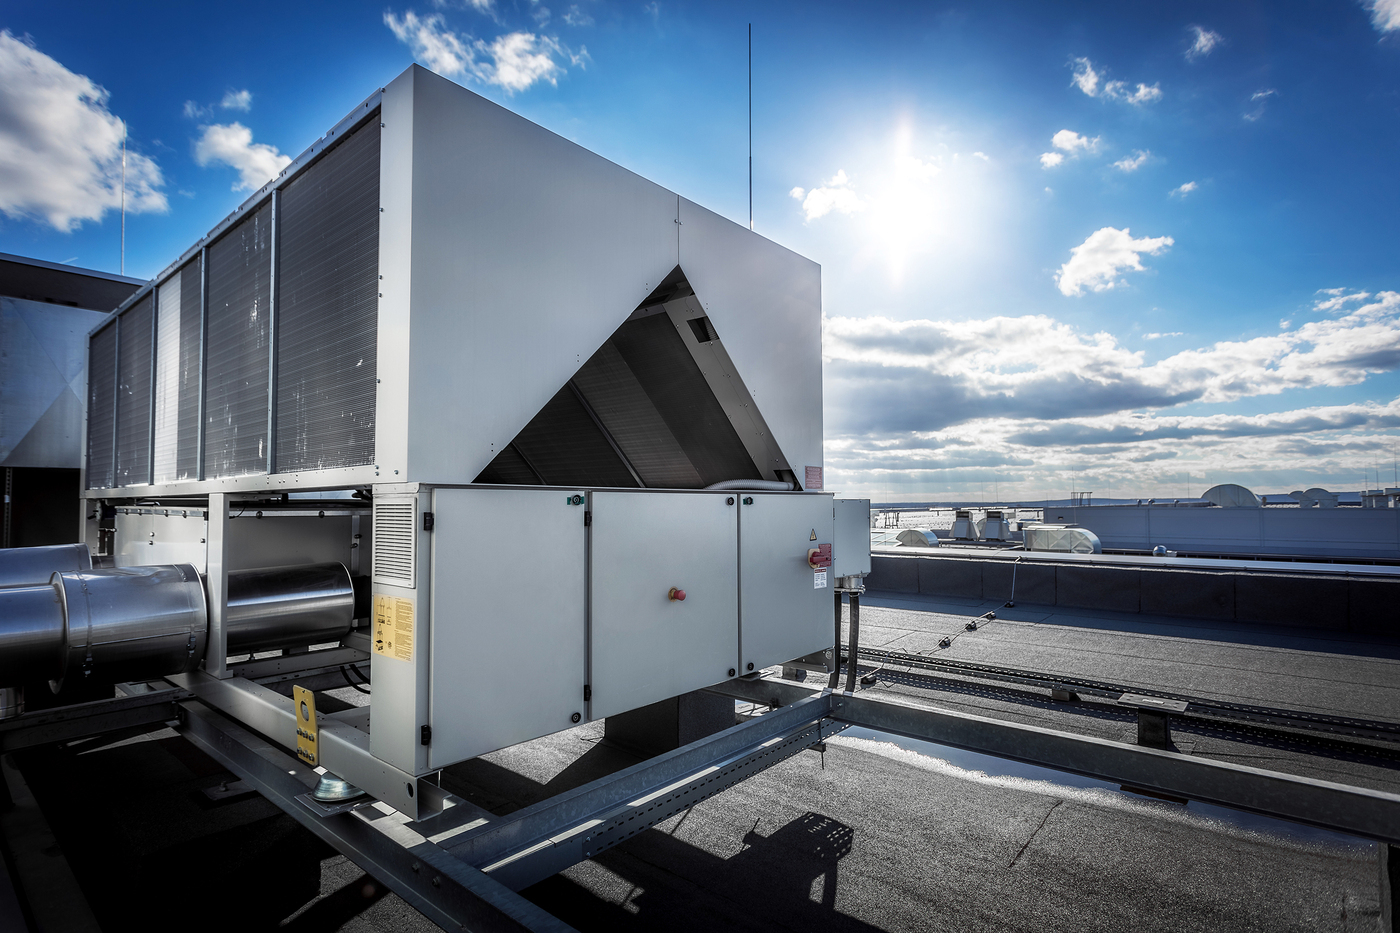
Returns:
<point x="676" y="595"/>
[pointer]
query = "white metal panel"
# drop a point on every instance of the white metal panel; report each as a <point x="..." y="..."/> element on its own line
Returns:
<point x="519" y="620"/>
<point x="646" y="647"/>
<point x="527" y="253"/>
<point x="783" y="612"/>
<point x="284" y="540"/>
<point x="401" y="684"/>
<point x="145" y="539"/>
<point x="765" y="303"/>
<point x="852" y="545"/>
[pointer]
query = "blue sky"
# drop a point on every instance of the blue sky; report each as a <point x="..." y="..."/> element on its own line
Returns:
<point x="1084" y="245"/>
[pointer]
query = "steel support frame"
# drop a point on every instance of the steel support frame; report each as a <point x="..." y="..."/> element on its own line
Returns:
<point x="446" y="890"/>
<point x="1372" y="814"/>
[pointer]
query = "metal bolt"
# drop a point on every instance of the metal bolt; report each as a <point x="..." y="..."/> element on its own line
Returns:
<point x="575" y="717"/>
<point x="750" y="665"/>
<point x="437" y="881"/>
<point x="417" y="865"/>
<point x="731" y="672"/>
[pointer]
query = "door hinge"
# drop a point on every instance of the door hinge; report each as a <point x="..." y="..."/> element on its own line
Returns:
<point x="587" y="518"/>
<point x="587" y="693"/>
<point x="425" y="735"/>
<point x="427" y="521"/>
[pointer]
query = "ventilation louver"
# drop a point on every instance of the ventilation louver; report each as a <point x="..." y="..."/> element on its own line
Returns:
<point x="394" y="542"/>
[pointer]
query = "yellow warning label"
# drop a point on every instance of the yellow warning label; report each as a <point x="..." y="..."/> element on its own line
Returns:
<point x="304" y="701"/>
<point x="393" y="627"/>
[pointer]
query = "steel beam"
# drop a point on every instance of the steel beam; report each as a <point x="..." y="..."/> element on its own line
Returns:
<point x="1372" y="814"/>
<point x="447" y="891"/>
<point x="81" y="720"/>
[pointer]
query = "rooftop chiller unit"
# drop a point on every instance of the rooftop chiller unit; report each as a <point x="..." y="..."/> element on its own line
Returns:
<point x="552" y="422"/>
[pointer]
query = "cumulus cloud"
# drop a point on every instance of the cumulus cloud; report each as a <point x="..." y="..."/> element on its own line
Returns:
<point x="514" y="61"/>
<point x="1385" y="14"/>
<point x="1095" y="263"/>
<point x="1069" y="143"/>
<point x="232" y="145"/>
<point x="921" y="405"/>
<point x="1133" y="162"/>
<point x="1181" y="191"/>
<point x="836" y="195"/>
<point x="1090" y="81"/>
<point x="1205" y="42"/>
<point x="61" y="148"/>
<point x="238" y="100"/>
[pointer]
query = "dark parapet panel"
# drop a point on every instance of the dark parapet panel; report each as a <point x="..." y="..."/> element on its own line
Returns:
<point x="102" y="394"/>
<point x="136" y="339"/>
<point x="60" y="284"/>
<point x="327" y="308"/>
<point x="236" y="379"/>
<point x="510" y="469"/>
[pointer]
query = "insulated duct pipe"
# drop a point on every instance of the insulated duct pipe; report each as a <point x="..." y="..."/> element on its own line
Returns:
<point x="762" y="485"/>
<point x="135" y="622"/>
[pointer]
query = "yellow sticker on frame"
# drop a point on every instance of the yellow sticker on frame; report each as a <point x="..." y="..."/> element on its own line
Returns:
<point x="308" y="735"/>
<point x="393" y="627"/>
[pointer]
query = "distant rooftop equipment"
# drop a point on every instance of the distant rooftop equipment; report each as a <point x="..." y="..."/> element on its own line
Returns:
<point x="911" y="537"/>
<point x="1231" y="496"/>
<point x="963" y="529"/>
<point x="1081" y="498"/>
<point x="1066" y="539"/>
<point x="1315" y="497"/>
<point x="994" y="527"/>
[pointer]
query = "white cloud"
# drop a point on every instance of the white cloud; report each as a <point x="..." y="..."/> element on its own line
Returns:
<point x="576" y="17"/>
<point x="194" y="111"/>
<point x="1095" y="263"/>
<point x="1073" y="143"/>
<point x="927" y="375"/>
<point x="1068" y="141"/>
<point x="1133" y="162"/>
<point x="1385" y="14"/>
<point x="1118" y="90"/>
<point x="1181" y="191"/>
<point x="514" y="61"/>
<point x="1337" y="297"/>
<point x="983" y="156"/>
<point x="1262" y="99"/>
<point x="232" y="144"/>
<point x="238" y="100"/>
<point x="1087" y="79"/>
<point x="1205" y="43"/>
<point x="836" y="195"/>
<point x="1156" y="336"/>
<point x="61" y="148"/>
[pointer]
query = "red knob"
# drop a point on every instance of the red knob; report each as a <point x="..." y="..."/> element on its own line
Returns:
<point x="676" y="595"/>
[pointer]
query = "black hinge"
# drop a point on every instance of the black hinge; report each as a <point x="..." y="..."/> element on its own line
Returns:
<point x="427" y="526"/>
<point x="425" y="735"/>
<point x="587" y="518"/>
<point x="587" y="693"/>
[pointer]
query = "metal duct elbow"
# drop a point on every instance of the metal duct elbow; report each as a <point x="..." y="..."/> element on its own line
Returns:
<point x="761" y="485"/>
<point x="285" y="607"/>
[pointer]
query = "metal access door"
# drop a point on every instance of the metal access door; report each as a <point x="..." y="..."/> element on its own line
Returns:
<point x="508" y="596"/>
<point x="785" y="606"/>
<point x="646" y="646"/>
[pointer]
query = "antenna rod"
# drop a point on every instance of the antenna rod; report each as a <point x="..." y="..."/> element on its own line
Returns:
<point x="122" y="261"/>
<point x="750" y="126"/>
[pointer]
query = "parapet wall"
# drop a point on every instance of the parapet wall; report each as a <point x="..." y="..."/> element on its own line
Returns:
<point x="1337" y="602"/>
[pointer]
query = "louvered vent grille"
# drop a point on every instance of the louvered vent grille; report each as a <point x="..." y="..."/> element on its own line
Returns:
<point x="134" y="337"/>
<point x="394" y="542"/>
<point x="102" y="394"/>
<point x="327" y="311"/>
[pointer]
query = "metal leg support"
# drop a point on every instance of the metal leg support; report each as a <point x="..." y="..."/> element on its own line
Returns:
<point x="854" y="650"/>
<point x="835" y="677"/>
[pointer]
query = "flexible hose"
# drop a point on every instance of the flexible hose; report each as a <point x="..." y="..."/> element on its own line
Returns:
<point x="758" y="484"/>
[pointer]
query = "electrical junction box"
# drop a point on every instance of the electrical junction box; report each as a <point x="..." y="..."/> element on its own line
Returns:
<point x="852" y="557"/>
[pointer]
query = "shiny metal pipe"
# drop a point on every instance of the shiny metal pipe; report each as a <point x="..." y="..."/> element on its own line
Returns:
<point x="31" y="623"/>
<point x="284" y="607"/>
<point x="33" y="566"/>
<point x="133" y="622"/>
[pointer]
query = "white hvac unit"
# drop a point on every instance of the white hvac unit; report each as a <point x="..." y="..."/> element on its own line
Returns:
<point x="1067" y="539"/>
<point x="553" y="423"/>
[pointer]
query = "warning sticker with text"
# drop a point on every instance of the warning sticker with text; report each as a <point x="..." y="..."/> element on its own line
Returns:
<point x="393" y="627"/>
<point x="819" y="580"/>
